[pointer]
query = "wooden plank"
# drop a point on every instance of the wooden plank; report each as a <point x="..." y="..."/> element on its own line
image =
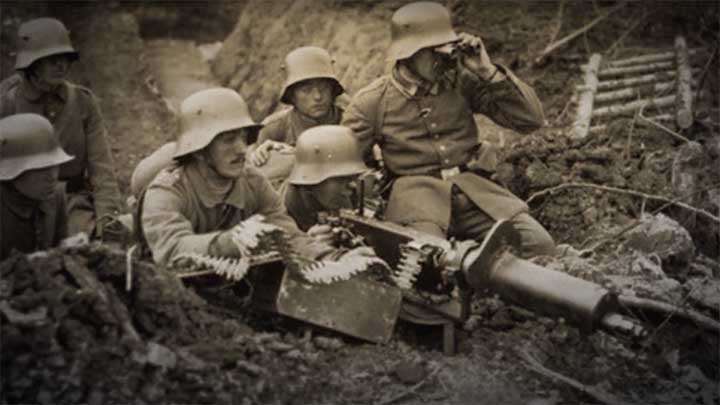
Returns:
<point x="684" y="99"/>
<point x="650" y="58"/>
<point x="625" y="108"/>
<point x="587" y="97"/>
<point x="638" y="69"/>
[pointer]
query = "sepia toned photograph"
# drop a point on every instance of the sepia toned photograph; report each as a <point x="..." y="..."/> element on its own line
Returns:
<point x="359" y="202"/>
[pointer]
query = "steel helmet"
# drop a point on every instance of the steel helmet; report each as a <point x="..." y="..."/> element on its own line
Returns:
<point x="149" y="167"/>
<point x="305" y="63"/>
<point x="28" y="142"/>
<point x="419" y="25"/>
<point x="206" y="114"/>
<point x="326" y="151"/>
<point x="41" y="38"/>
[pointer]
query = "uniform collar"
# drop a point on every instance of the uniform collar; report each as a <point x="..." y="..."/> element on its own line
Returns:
<point x="199" y="181"/>
<point x="33" y="94"/>
<point x="333" y="117"/>
<point x="411" y="85"/>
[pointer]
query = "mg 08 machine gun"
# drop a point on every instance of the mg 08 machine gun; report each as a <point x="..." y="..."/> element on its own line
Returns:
<point x="427" y="284"/>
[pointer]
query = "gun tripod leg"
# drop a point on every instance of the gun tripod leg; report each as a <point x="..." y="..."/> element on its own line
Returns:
<point x="449" y="338"/>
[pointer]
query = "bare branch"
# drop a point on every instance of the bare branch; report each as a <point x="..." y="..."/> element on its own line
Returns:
<point x="623" y="191"/>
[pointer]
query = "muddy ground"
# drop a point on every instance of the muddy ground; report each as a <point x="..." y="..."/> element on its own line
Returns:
<point x="71" y="333"/>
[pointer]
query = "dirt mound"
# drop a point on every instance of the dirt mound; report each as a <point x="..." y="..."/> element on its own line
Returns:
<point x="76" y="336"/>
<point x="73" y="334"/>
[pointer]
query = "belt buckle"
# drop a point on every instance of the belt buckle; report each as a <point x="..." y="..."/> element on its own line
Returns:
<point x="449" y="172"/>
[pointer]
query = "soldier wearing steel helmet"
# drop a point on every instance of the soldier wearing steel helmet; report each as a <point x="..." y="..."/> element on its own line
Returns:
<point x="313" y="91"/>
<point x="421" y="116"/>
<point x="32" y="201"/>
<point x="327" y="164"/>
<point x="191" y="206"/>
<point x="44" y="57"/>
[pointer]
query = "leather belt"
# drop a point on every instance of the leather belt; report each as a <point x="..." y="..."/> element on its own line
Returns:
<point x="448" y="172"/>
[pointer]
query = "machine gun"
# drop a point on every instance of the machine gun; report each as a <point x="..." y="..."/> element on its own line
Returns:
<point x="495" y="267"/>
<point x="430" y="282"/>
<point x="367" y="306"/>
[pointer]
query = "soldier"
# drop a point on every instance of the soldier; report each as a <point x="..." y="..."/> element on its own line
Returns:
<point x="32" y="201"/>
<point x="44" y="57"/>
<point x="192" y="206"/>
<point x="312" y="89"/>
<point x="421" y="116"/>
<point x="327" y="163"/>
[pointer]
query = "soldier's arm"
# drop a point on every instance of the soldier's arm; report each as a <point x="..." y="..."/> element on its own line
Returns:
<point x="508" y="102"/>
<point x="272" y="207"/>
<point x="168" y="231"/>
<point x="360" y="116"/>
<point x="268" y="132"/>
<point x="101" y="170"/>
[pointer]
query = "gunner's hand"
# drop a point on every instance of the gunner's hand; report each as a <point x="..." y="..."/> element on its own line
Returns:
<point x="322" y="233"/>
<point x="224" y="246"/>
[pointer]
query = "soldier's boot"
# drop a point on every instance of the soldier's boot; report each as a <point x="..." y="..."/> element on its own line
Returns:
<point x="477" y="260"/>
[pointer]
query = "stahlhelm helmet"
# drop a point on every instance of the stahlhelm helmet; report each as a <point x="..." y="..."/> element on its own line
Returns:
<point x="419" y="25"/>
<point x="41" y="38"/>
<point x="28" y="142"/>
<point x="206" y="114"/>
<point x="326" y="151"/>
<point x="305" y="63"/>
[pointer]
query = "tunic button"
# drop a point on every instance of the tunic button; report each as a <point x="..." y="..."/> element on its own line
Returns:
<point x="446" y="161"/>
<point x="433" y="125"/>
<point x="442" y="147"/>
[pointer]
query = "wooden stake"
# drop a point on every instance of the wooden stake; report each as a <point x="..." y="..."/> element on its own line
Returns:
<point x="683" y="107"/>
<point x="587" y="97"/>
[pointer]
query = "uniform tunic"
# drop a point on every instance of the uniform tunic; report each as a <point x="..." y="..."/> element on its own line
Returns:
<point x="177" y="217"/>
<point x="76" y="118"/>
<point x="287" y="125"/>
<point x="424" y="129"/>
<point x="29" y="225"/>
<point x="302" y="206"/>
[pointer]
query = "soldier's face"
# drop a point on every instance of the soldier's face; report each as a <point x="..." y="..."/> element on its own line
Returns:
<point x="52" y="69"/>
<point x="226" y="153"/>
<point x="38" y="184"/>
<point x="336" y="193"/>
<point x="428" y="64"/>
<point x="313" y="97"/>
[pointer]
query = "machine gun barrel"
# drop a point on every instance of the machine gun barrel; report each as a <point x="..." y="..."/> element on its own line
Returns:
<point x="585" y="304"/>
